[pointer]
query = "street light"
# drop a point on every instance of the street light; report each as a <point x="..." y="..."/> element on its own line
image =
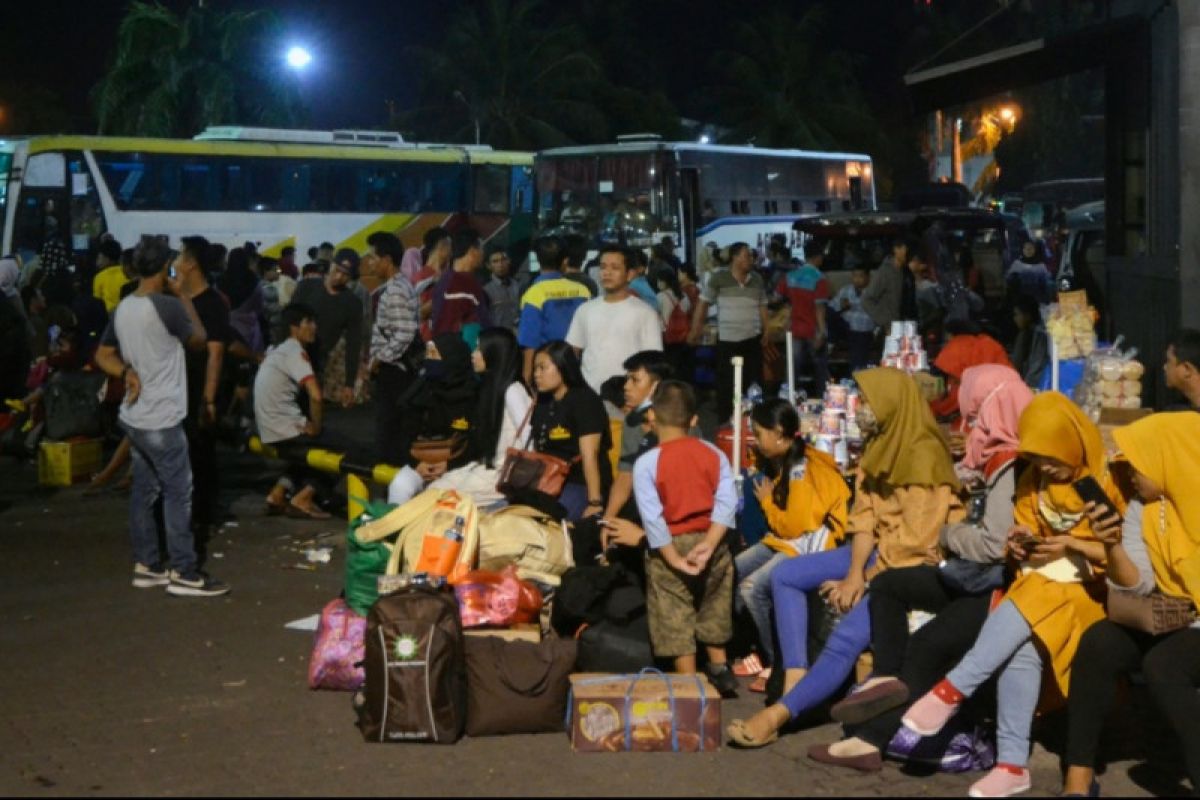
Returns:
<point x="462" y="98"/>
<point x="298" y="57"/>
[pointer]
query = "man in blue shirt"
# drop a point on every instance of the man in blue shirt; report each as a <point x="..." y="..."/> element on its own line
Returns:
<point x="640" y="285"/>
<point x="549" y="303"/>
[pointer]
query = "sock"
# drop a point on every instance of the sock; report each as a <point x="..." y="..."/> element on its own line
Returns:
<point x="946" y="692"/>
<point x="1011" y="769"/>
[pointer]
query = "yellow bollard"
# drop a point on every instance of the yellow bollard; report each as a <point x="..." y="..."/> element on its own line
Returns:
<point x="356" y="489"/>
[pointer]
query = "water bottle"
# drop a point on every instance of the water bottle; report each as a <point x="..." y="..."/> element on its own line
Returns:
<point x="439" y="553"/>
<point x="754" y="395"/>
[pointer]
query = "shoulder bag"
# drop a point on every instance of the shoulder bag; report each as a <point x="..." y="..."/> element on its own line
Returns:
<point x="1155" y="613"/>
<point x="529" y="470"/>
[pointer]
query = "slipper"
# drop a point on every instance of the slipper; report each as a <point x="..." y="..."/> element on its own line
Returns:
<point x="738" y="734"/>
<point x="759" y="684"/>
<point x="296" y="512"/>
<point x="748" y="667"/>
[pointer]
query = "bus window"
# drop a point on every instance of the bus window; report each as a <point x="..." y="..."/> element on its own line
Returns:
<point x="5" y="168"/>
<point x="490" y="185"/>
<point x="87" y="220"/>
<point x="607" y="197"/>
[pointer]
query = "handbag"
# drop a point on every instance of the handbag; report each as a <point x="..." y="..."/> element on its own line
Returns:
<point x="517" y="687"/>
<point x="529" y="470"/>
<point x="438" y="451"/>
<point x="1155" y="613"/>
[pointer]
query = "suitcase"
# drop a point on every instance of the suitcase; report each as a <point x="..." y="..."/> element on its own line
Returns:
<point x="415" y="669"/>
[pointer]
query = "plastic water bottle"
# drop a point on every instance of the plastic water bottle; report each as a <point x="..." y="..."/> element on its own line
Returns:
<point x="439" y="553"/>
<point x="754" y="395"/>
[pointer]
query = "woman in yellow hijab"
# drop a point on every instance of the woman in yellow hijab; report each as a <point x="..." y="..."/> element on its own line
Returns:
<point x="907" y="490"/>
<point x="1156" y="549"/>
<point x="1057" y="597"/>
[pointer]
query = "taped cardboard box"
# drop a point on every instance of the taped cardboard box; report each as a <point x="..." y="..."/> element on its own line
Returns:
<point x="647" y="712"/>
<point x="522" y="632"/>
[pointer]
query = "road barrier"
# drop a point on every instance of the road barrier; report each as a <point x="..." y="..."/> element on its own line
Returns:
<point x="336" y="464"/>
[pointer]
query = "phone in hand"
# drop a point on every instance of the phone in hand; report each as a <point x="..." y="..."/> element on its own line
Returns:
<point x="1026" y="542"/>
<point x="1089" y="491"/>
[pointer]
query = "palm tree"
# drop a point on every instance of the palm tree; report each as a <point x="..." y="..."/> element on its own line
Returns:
<point x="785" y="88"/>
<point x="173" y="75"/>
<point x="501" y="71"/>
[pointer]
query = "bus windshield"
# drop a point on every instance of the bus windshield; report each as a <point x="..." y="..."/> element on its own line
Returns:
<point x="620" y="197"/>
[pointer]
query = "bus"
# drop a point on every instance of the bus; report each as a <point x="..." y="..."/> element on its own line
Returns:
<point x="643" y="189"/>
<point x="273" y="187"/>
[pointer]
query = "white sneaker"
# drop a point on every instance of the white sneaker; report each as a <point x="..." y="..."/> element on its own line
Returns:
<point x="196" y="585"/>
<point x="148" y="577"/>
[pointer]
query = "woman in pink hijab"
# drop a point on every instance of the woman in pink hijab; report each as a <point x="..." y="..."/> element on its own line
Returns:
<point x="991" y="399"/>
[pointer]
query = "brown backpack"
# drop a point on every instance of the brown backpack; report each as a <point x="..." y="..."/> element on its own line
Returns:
<point x="415" y="668"/>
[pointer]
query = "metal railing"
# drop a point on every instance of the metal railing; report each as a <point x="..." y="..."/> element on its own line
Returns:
<point x="333" y="463"/>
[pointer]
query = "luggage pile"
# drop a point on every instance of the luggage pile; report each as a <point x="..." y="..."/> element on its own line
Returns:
<point x="455" y="621"/>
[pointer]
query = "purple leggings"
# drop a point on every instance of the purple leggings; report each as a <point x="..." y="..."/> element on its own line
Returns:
<point x="791" y="582"/>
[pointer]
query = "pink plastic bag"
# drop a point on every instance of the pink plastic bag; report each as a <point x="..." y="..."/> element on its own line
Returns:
<point x="337" y="655"/>
<point x="499" y="598"/>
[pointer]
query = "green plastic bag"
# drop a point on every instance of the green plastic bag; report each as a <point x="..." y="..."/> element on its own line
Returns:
<point x="365" y="562"/>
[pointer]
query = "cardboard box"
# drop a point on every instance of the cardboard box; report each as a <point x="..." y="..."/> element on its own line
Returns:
<point x="622" y="713"/>
<point x="66" y="463"/>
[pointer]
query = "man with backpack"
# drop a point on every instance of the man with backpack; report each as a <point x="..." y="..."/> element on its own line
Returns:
<point x="611" y="328"/>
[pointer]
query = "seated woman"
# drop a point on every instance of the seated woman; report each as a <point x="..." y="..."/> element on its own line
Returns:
<point x="804" y="500"/>
<point x="1158" y="549"/>
<point x="991" y="400"/>
<point x="439" y="409"/>
<point x="1049" y="607"/>
<point x="968" y="347"/>
<point x="569" y="422"/>
<point x="907" y="491"/>
<point x="503" y="405"/>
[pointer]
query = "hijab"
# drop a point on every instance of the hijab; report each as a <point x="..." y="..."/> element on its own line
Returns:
<point x="909" y="448"/>
<point x="993" y="397"/>
<point x="10" y="274"/>
<point x="452" y="378"/>
<point x="238" y="281"/>
<point x="1166" y="449"/>
<point x="1054" y="427"/>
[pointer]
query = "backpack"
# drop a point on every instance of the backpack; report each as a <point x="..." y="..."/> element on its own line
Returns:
<point x="73" y="404"/>
<point x="679" y="324"/>
<point x="539" y="546"/>
<point x="415" y="665"/>
<point x="591" y="594"/>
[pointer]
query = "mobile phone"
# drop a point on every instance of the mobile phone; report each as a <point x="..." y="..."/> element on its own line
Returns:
<point x="1026" y="542"/>
<point x="171" y="272"/>
<point x="1089" y="491"/>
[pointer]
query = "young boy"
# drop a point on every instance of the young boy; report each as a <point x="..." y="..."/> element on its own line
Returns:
<point x="858" y="325"/>
<point x="686" y="499"/>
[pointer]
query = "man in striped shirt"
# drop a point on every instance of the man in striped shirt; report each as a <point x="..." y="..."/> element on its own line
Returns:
<point x="395" y="345"/>
<point x="741" y="300"/>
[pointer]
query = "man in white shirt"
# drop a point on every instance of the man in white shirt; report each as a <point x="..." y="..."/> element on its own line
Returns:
<point x="610" y="329"/>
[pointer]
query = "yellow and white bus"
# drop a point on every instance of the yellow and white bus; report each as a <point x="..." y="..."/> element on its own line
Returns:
<point x="268" y="186"/>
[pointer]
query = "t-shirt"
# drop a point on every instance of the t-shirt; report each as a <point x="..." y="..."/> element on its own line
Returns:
<point x="804" y="287"/>
<point x="641" y="288"/>
<point x="856" y="318"/>
<point x="556" y="426"/>
<point x="739" y="305"/>
<point x="338" y="315"/>
<point x="579" y="277"/>
<point x="107" y="286"/>
<point x="683" y="486"/>
<point x="276" y="404"/>
<point x="214" y="316"/>
<point x="150" y="331"/>
<point x="608" y="333"/>
<point x="459" y="300"/>
<point x="547" y="308"/>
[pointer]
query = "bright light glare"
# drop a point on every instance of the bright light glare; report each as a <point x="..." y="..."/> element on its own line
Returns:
<point x="1007" y="113"/>
<point x="298" y="57"/>
<point x="704" y="139"/>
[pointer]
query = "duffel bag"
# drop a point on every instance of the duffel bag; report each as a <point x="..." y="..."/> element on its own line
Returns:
<point x="431" y="512"/>
<point x="537" y="544"/>
<point x="517" y="687"/>
<point x="611" y="647"/>
<point x="365" y="560"/>
<point x="337" y="656"/>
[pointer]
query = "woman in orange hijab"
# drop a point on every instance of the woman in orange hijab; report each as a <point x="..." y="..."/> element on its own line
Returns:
<point x="968" y="347"/>
<point x="1057" y="597"/>
<point x="1156" y="549"/>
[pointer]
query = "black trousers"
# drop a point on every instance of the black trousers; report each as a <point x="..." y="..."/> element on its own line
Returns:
<point x="893" y="594"/>
<point x="206" y="483"/>
<point x="393" y="439"/>
<point x="930" y="652"/>
<point x="750" y="350"/>
<point x="1171" y="665"/>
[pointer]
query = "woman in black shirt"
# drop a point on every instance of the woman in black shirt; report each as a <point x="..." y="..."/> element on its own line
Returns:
<point x="570" y="422"/>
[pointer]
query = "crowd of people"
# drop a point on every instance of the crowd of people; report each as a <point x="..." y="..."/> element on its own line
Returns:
<point x="592" y="365"/>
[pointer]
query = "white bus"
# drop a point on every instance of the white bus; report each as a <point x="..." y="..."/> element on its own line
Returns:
<point x="272" y="187"/>
<point x="643" y="189"/>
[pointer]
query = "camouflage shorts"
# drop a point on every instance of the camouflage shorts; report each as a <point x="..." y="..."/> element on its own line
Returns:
<point x="682" y="609"/>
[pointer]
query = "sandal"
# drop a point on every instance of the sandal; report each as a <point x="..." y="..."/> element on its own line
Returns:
<point x="759" y="684"/>
<point x="748" y="667"/>
<point x="738" y="734"/>
<point x="296" y="512"/>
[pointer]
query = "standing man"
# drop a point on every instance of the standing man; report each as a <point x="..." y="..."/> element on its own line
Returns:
<point x="1182" y="365"/>
<point x="144" y="345"/>
<point x="549" y="303"/>
<point x="504" y="294"/>
<point x="610" y="329"/>
<point x="806" y="292"/>
<point x="110" y="275"/>
<point x="339" y="319"/>
<point x="203" y="379"/>
<point x="741" y="300"/>
<point x="577" y="250"/>
<point x="396" y="350"/>
<point x="459" y="303"/>
<point x="884" y="295"/>
<point x="640" y="284"/>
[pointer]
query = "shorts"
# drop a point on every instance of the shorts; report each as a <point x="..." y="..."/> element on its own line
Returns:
<point x="682" y="609"/>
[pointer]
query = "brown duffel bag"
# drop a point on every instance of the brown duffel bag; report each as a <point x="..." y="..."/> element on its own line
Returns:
<point x="517" y="687"/>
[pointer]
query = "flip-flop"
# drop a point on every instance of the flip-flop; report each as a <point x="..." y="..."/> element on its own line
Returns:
<point x="748" y="667"/>
<point x="296" y="512"/>
<point x="759" y="684"/>
<point x="738" y="734"/>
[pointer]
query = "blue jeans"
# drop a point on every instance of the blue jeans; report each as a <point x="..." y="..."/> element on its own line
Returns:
<point x="790" y="584"/>
<point x="161" y="470"/>
<point x="753" y="568"/>
<point x="1005" y="644"/>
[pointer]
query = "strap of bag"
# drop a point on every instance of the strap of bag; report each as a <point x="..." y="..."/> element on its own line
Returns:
<point x="524" y="422"/>
<point x="388" y="524"/>
<point x="670" y="704"/>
